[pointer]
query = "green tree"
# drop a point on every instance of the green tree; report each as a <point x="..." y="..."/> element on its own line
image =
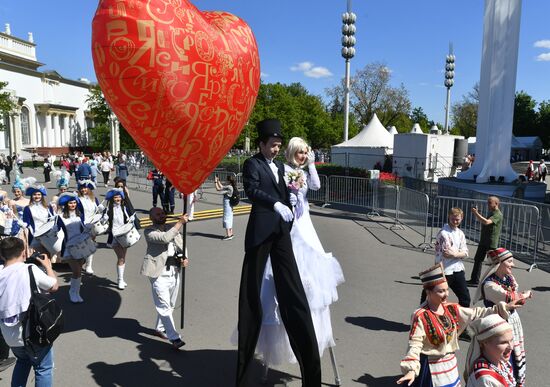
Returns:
<point x="371" y="92"/>
<point x="301" y="115"/>
<point x="101" y="132"/>
<point x="464" y="114"/>
<point x="543" y="123"/>
<point x="419" y="117"/>
<point x="525" y="115"/>
<point x="6" y="104"/>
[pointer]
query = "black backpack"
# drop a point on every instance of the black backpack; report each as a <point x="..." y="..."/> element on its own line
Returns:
<point x="43" y="321"/>
<point x="234" y="199"/>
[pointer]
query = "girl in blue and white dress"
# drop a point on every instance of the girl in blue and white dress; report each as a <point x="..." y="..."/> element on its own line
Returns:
<point x="89" y="206"/>
<point x="320" y="271"/>
<point x="71" y="221"/>
<point x="118" y="213"/>
<point x="38" y="216"/>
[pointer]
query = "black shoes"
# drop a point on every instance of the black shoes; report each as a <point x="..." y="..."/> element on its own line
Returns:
<point x="472" y="283"/>
<point x="177" y="344"/>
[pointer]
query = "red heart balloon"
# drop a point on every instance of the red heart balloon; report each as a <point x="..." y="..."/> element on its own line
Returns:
<point x="181" y="81"/>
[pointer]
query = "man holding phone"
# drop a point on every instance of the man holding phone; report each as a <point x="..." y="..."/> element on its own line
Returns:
<point x="490" y="235"/>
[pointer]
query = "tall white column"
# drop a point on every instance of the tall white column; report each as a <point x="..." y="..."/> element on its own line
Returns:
<point x="65" y="130"/>
<point x="56" y="131"/>
<point x="497" y="87"/>
<point x="48" y="138"/>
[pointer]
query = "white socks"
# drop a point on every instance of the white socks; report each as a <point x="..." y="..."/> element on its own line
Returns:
<point x="89" y="260"/>
<point x="74" y="291"/>
<point x="120" y="272"/>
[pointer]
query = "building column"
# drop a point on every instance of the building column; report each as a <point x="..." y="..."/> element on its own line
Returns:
<point x="115" y="135"/>
<point x="56" y="131"/>
<point x="48" y="138"/>
<point x="65" y="130"/>
<point x="11" y="134"/>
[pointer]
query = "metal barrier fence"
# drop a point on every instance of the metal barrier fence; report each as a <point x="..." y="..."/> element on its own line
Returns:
<point x="412" y="210"/>
<point x="520" y="227"/>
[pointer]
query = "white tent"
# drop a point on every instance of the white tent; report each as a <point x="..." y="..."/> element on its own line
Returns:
<point x="393" y="131"/>
<point x="366" y="149"/>
<point x="416" y="129"/>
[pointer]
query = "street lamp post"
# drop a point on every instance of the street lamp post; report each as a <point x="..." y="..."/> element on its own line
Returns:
<point x="449" y="82"/>
<point x="348" y="52"/>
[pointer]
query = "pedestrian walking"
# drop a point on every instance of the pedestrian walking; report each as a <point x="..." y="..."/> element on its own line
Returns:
<point x="542" y="170"/>
<point x="47" y="170"/>
<point x="169" y="198"/>
<point x="489" y="238"/>
<point x="158" y="185"/>
<point x="227" y="191"/>
<point x="118" y="213"/>
<point x="268" y="234"/>
<point x="106" y="166"/>
<point x="320" y="271"/>
<point x="163" y="261"/>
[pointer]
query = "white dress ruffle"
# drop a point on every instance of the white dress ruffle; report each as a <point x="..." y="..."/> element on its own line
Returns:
<point x="320" y="273"/>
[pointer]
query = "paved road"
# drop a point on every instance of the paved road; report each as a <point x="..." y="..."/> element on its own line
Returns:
<point x="109" y="342"/>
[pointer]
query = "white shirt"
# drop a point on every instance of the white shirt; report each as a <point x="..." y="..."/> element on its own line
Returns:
<point x="118" y="216"/>
<point x="14" y="281"/>
<point x="89" y="207"/>
<point x="454" y="240"/>
<point x="274" y="169"/>
<point x="41" y="216"/>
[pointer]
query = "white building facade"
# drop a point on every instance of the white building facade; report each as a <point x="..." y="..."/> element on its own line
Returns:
<point x="51" y="114"/>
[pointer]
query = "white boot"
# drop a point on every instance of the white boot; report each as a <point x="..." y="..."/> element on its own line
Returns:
<point x="120" y="271"/>
<point x="74" y="291"/>
<point x="89" y="269"/>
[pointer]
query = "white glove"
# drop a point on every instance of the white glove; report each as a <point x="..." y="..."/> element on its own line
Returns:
<point x="310" y="157"/>
<point x="284" y="211"/>
<point x="293" y="199"/>
<point x="101" y="208"/>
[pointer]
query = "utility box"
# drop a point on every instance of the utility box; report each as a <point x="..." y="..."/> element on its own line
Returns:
<point x="424" y="156"/>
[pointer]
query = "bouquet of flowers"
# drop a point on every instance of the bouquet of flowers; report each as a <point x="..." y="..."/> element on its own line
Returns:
<point x="294" y="180"/>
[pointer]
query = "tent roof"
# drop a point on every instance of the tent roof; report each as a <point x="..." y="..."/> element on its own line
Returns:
<point x="373" y="135"/>
<point x="393" y="130"/>
<point x="416" y="129"/>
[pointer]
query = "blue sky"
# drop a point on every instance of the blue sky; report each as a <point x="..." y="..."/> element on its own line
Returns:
<point x="299" y="41"/>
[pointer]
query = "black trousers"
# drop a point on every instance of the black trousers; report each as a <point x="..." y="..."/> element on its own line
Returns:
<point x="457" y="283"/>
<point x="481" y="252"/>
<point x="4" y="349"/>
<point x="293" y="307"/>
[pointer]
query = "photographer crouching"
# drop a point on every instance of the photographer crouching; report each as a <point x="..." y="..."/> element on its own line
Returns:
<point x="162" y="263"/>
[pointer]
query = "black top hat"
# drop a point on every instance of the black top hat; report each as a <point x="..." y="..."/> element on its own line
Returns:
<point x="269" y="128"/>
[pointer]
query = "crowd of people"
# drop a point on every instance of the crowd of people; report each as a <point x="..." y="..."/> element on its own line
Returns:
<point x="288" y="280"/>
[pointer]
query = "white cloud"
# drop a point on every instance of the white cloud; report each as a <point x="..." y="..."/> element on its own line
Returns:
<point x="544" y="57"/>
<point x="311" y="71"/>
<point x="542" y="44"/>
<point x="264" y="75"/>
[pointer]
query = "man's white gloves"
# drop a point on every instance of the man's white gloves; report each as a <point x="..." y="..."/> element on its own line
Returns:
<point x="284" y="211"/>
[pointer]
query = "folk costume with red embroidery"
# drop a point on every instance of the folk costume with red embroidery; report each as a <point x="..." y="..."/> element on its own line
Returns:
<point x="433" y="338"/>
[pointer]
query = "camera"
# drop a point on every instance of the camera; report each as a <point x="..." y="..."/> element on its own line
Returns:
<point x="33" y="258"/>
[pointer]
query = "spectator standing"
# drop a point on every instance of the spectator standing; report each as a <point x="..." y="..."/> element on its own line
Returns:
<point x="47" y="170"/>
<point x="162" y="264"/>
<point x="34" y="158"/>
<point x="450" y="250"/>
<point x="8" y="167"/>
<point x="94" y="170"/>
<point x="84" y="170"/>
<point x="122" y="169"/>
<point x="16" y="294"/>
<point x="168" y="200"/>
<point x="542" y="171"/>
<point x="158" y="186"/>
<point x="19" y="161"/>
<point x="490" y="235"/>
<point x="105" y="168"/>
<point x="227" y="191"/>
<point x="530" y="172"/>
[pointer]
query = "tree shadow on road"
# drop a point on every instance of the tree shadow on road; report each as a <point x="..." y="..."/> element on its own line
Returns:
<point x="382" y="381"/>
<point x="378" y="324"/>
<point x="162" y="366"/>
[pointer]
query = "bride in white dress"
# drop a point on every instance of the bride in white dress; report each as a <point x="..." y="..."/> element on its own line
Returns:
<point x="320" y="271"/>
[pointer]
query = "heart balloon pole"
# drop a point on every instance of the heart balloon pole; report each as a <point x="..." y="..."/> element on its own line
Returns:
<point x="184" y="235"/>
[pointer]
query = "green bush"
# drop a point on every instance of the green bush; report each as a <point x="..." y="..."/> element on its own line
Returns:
<point x="338" y="170"/>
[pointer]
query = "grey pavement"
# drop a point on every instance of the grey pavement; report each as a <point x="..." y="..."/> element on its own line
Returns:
<point x="109" y="338"/>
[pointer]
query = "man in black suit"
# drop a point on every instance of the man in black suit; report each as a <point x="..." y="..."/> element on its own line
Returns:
<point x="268" y="234"/>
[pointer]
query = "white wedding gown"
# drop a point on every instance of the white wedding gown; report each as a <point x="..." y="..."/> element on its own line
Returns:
<point x="320" y="273"/>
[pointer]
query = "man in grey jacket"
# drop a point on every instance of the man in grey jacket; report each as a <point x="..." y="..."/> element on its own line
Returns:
<point x="162" y="263"/>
